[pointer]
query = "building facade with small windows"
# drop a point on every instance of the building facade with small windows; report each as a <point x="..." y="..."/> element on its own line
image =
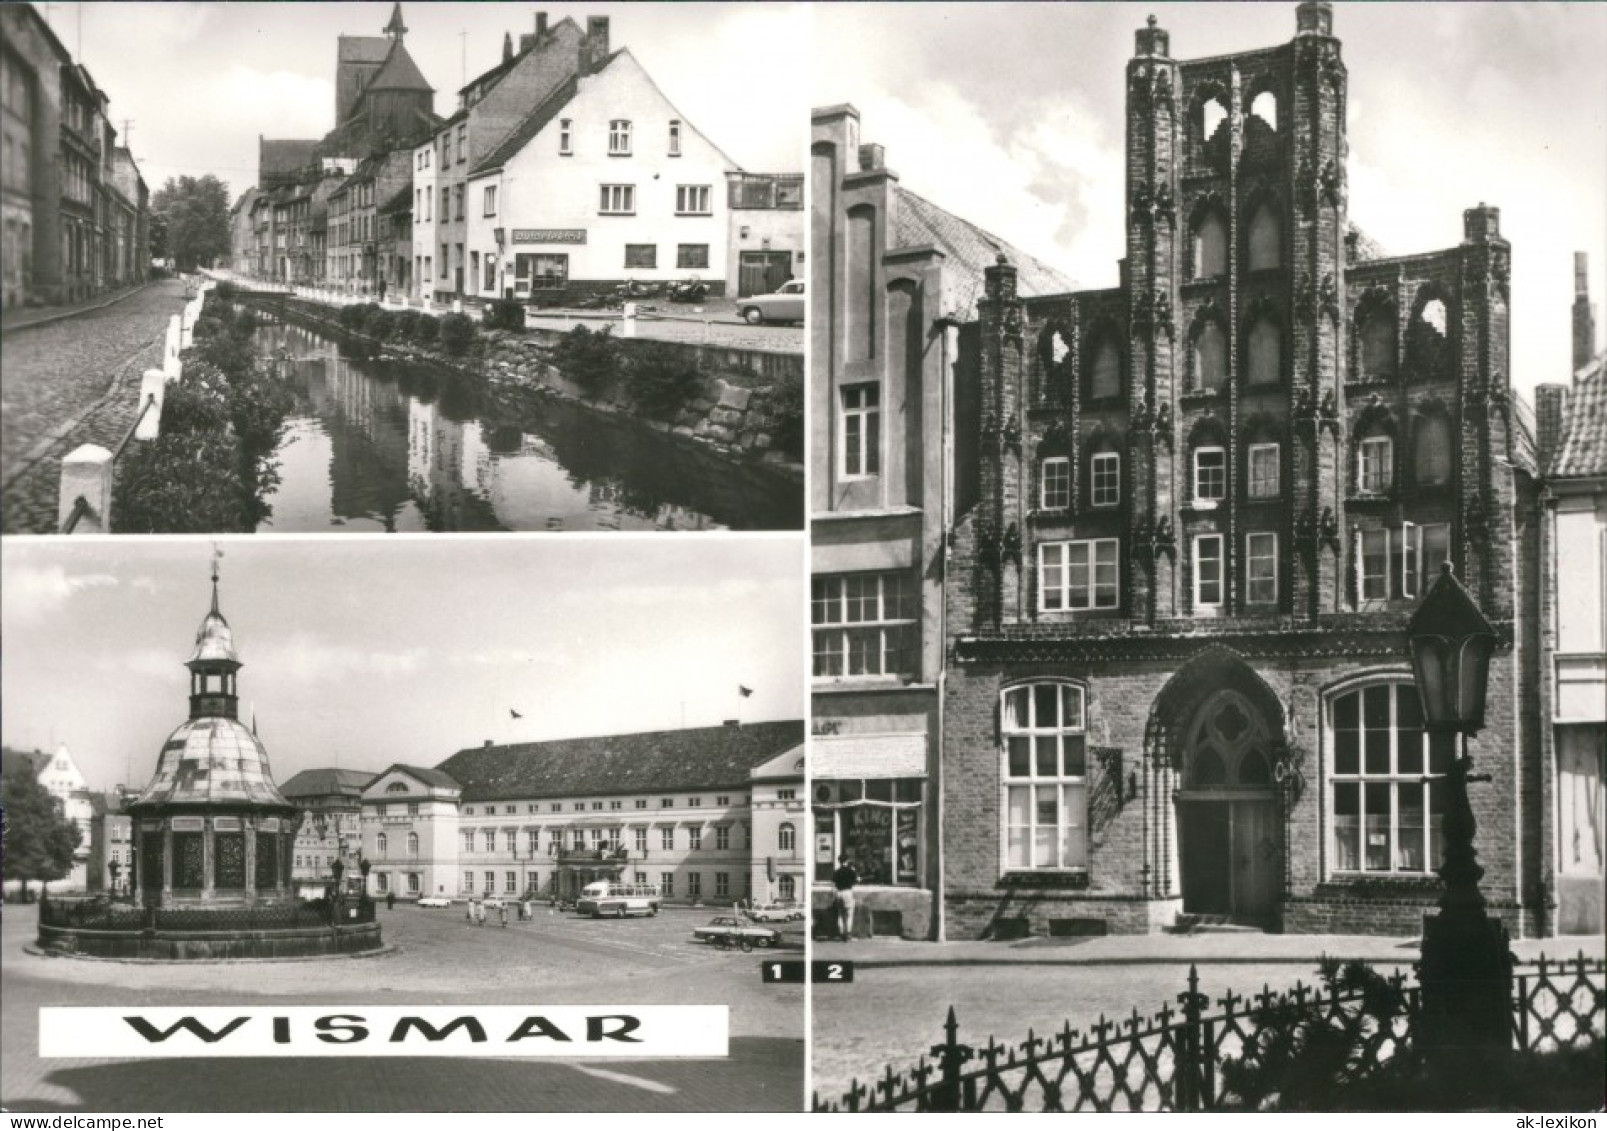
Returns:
<point x="329" y="827"/>
<point x="879" y="507"/>
<point x="602" y="182"/>
<point x="767" y="242"/>
<point x="780" y="854"/>
<point x="541" y="820"/>
<point x="1190" y="516"/>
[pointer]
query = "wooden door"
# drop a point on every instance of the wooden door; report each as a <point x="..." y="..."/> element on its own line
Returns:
<point x="762" y="272"/>
<point x="1256" y="860"/>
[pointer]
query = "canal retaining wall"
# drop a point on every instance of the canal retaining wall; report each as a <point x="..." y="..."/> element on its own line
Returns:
<point x="742" y="410"/>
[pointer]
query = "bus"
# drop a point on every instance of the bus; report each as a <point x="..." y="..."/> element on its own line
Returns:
<point x="607" y="897"/>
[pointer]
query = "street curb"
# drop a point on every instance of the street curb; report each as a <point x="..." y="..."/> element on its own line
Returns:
<point x="1270" y="960"/>
<point x="75" y="312"/>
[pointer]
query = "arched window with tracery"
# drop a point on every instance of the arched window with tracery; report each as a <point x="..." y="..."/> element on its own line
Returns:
<point x="1105" y="369"/>
<point x="1211" y="245"/>
<point x="1208" y="353"/>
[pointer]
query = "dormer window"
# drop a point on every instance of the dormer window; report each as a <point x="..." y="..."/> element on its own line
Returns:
<point x="619" y="138"/>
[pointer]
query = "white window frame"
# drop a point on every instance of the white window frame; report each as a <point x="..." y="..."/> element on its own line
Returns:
<point x="1362" y="558"/>
<point x="640" y="837"/>
<point x="616" y="200"/>
<point x="1054" y="488"/>
<point x="1275" y="488"/>
<point x="1105" y="484"/>
<point x="859" y="408"/>
<point x="1375" y="473"/>
<point x="488" y="201"/>
<point x="863" y="624"/>
<point x="1057" y="559"/>
<point x="1024" y="733"/>
<point x="1260" y="546"/>
<point x="666" y="839"/>
<point x="1201" y="603"/>
<point x="566" y="137"/>
<point x="693" y="200"/>
<point x="1393" y="777"/>
<point x="1201" y="499"/>
<point x="1419" y="561"/>
<point x="619" y="137"/>
<point x="675" y="137"/>
<point x="722" y="837"/>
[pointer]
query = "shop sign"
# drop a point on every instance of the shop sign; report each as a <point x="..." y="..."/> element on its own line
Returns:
<point x="549" y="235"/>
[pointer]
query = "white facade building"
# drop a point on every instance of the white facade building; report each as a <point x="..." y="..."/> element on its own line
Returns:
<point x="780" y="829"/>
<point x="604" y="181"/>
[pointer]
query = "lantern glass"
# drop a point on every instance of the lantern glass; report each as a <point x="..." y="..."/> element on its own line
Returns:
<point x="1473" y="676"/>
<point x="1433" y="662"/>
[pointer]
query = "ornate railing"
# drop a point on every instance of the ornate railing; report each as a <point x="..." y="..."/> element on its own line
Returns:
<point x="1175" y="1059"/>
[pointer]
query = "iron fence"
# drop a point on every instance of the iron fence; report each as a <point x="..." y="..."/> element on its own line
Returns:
<point x="1174" y="1059"/>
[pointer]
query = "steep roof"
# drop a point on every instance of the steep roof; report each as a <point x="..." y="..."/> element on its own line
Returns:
<point x="532" y="125"/>
<point x="1524" y="450"/>
<point x="321" y="783"/>
<point x="700" y="758"/>
<point x="362" y="48"/>
<point x="399" y="73"/>
<point x="281" y="158"/>
<point x="970" y="250"/>
<point x="425" y="774"/>
<point x="400" y="201"/>
<point x="1582" y="453"/>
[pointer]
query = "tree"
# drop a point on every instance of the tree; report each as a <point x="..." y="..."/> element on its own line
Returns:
<point x="196" y="214"/>
<point x="39" y="842"/>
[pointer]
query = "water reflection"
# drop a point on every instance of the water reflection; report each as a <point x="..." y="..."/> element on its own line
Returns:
<point x="388" y="445"/>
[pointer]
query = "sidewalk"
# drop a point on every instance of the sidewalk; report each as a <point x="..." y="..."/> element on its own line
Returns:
<point x="1206" y="948"/>
<point x="23" y="317"/>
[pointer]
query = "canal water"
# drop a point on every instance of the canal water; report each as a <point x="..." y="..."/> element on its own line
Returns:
<point x="380" y="444"/>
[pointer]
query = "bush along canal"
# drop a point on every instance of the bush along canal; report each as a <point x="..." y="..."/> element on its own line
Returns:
<point x="407" y="422"/>
<point x="214" y="466"/>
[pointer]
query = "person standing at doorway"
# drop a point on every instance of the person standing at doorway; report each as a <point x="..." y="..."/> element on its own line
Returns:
<point x="844" y="879"/>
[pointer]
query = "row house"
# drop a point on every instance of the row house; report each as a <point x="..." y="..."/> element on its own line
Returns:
<point x="490" y="106"/>
<point x="708" y="814"/>
<point x="604" y="181"/>
<point x="1177" y="527"/>
<point x="73" y="208"/>
<point x="358" y="237"/>
<point x="329" y="828"/>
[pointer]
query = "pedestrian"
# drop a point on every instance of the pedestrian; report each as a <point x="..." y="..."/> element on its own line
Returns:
<point x="390" y="901"/>
<point x="382" y="290"/>
<point x="502" y="913"/>
<point x="468" y="910"/>
<point x="844" y="879"/>
<point x="479" y="913"/>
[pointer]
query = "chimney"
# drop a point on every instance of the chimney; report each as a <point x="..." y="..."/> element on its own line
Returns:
<point x="541" y="26"/>
<point x="594" y="52"/>
<point x="507" y="46"/>
<point x="1550" y="410"/>
<point x="872" y="157"/>
<point x="1314" y="18"/>
<point x="1584" y="313"/>
<point x="489" y="743"/>
<point x="526" y="42"/>
<point x="1152" y="39"/>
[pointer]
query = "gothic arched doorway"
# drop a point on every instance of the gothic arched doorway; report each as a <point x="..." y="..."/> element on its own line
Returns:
<point x="1230" y="849"/>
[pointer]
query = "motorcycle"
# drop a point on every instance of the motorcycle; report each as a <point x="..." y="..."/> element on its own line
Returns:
<point x="690" y="289"/>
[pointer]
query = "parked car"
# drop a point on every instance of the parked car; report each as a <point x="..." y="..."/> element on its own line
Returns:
<point x="492" y="902"/>
<point x="435" y="901"/>
<point x="786" y="305"/>
<point x="730" y="929"/>
<point x="780" y="912"/>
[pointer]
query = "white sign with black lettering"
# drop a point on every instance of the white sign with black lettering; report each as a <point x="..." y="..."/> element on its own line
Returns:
<point x="391" y="1030"/>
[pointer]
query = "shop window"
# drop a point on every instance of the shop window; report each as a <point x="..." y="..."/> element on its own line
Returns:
<point x="692" y="256"/>
<point x="876" y="822"/>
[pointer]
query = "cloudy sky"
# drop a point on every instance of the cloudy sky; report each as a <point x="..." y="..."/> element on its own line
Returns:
<point x="1012" y="116"/>
<point x="202" y="81"/>
<point x="362" y="652"/>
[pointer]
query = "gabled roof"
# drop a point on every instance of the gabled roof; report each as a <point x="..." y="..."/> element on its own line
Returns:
<point x="1582" y="454"/>
<point x="492" y="76"/>
<point x="322" y="783"/>
<point x="362" y="48"/>
<point x="699" y="758"/>
<point x="401" y="201"/>
<point x="970" y="250"/>
<point x="399" y="73"/>
<point x="532" y="125"/>
<point x="283" y="157"/>
<point x="425" y="774"/>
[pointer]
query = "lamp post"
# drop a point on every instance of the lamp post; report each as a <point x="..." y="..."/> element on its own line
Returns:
<point x="363" y="865"/>
<point x="114" y="867"/>
<point x="339" y="869"/>
<point x="1466" y="967"/>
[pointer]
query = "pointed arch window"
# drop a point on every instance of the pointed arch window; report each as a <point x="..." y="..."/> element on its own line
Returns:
<point x="1211" y="246"/>
<point x="1210" y="357"/>
<point x="1265" y="352"/>
<point x="1266" y="238"/>
<point x="1431" y="454"/>
<point x="1105" y="372"/>
<point x="1378" y="345"/>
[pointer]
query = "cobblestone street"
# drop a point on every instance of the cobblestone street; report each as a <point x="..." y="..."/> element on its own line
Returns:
<point x="438" y="958"/>
<point x="71" y="382"/>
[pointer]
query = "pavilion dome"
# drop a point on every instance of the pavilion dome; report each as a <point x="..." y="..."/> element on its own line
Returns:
<point x="212" y="760"/>
<point x="214" y="640"/>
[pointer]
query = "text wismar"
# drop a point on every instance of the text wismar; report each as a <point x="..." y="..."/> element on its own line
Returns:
<point x="349" y="1028"/>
